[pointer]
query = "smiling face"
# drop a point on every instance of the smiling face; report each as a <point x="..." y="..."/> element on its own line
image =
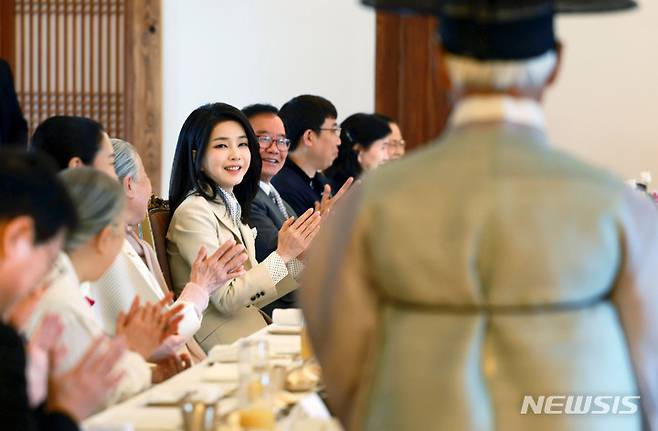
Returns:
<point x="227" y="156"/>
<point x="376" y="154"/>
<point x="396" y="144"/>
<point x="273" y="158"/>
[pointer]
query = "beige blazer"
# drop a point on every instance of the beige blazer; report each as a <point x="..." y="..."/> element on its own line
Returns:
<point x="234" y="310"/>
<point x="479" y="270"/>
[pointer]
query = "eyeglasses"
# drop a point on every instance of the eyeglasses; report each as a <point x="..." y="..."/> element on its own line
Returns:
<point x="283" y="144"/>
<point x="397" y="143"/>
<point x="336" y="130"/>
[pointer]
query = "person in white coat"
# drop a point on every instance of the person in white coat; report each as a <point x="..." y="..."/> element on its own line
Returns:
<point x="90" y="249"/>
<point x="136" y="271"/>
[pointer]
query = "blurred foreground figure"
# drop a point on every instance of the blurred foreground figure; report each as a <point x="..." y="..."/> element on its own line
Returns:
<point x="489" y="271"/>
<point x="13" y="127"/>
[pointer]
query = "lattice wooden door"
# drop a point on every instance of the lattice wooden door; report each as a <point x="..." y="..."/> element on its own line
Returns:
<point x="94" y="58"/>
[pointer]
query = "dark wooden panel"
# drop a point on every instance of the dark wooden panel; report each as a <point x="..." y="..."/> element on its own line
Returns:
<point x="407" y="86"/>
<point x="7" y="31"/>
<point x="387" y="75"/>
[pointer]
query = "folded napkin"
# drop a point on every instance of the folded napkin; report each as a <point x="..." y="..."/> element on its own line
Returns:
<point x="286" y="321"/>
<point x="166" y="396"/>
<point x="288" y="317"/>
<point x="285" y="345"/>
<point x="221" y="373"/>
<point x="224" y="353"/>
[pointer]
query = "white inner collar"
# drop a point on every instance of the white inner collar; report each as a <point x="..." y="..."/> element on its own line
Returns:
<point x="266" y="187"/>
<point x="476" y="109"/>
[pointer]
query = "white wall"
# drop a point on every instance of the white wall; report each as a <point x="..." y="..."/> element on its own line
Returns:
<point x="250" y="51"/>
<point x="605" y="104"/>
<point x="604" y="107"/>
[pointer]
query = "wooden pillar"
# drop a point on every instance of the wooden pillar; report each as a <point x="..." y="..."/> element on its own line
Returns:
<point x="143" y="83"/>
<point x="407" y="86"/>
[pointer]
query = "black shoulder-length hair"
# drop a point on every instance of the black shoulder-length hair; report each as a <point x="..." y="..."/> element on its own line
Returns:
<point x="64" y="137"/>
<point x="357" y="129"/>
<point x="186" y="174"/>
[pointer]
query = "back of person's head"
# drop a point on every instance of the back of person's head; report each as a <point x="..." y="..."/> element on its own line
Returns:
<point x="358" y="132"/>
<point x="384" y="117"/>
<point x="125" y="160"/>
<point x="186" y="174"/>
<point x="29" y="187"/>
<point x="468" y="74"/>
<point x="499" y="46"/>
<point x="67" y="137"/>
<point x="259" y="109"/>
<point x="304" y="113"/>
<point x="98" y="201"/>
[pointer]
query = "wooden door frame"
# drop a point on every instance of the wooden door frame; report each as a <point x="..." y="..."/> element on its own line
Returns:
<point x="143" y="85"/>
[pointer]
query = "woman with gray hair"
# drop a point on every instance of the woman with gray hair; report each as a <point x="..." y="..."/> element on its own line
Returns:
<point x="136" y="271"/>
<point x="90" y="249"/>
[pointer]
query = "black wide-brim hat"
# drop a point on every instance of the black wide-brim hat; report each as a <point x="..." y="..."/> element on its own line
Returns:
<point x="498" y="29"/>
<point x="561" y="6"/>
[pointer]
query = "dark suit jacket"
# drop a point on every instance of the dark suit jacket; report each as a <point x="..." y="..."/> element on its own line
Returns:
<point x="266" y="217"/>
<point x="13" y="127"/>
<point x="15" y="412"/>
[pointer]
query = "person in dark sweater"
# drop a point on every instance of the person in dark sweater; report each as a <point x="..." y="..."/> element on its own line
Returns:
<point x="311" y="126"/>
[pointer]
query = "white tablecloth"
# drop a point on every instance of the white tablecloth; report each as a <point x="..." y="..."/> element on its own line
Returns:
<point x="134" y="414"/>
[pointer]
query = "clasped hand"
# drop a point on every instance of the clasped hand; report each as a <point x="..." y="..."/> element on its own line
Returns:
<point x="146" y="327"/>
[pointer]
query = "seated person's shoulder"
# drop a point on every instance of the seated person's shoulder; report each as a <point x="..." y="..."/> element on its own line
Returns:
<point x="192" y="203"/>
<point x="259" y="201"/>
<point x="284" y="176"/>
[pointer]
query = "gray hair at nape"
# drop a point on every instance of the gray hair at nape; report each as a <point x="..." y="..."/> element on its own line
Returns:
<point x="98" y="201"/>
<point x="532" y="74"/>
<point x="125" y="159"/>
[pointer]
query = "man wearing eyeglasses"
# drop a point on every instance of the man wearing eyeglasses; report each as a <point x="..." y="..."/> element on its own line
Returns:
<point x="268" y="209"/>
<point x="311" y="126"/>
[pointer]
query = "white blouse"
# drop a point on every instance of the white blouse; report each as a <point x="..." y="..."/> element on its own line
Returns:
<point x="129" y="277"/>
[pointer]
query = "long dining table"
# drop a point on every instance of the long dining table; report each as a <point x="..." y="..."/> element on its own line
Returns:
<point x="159" y="407"/>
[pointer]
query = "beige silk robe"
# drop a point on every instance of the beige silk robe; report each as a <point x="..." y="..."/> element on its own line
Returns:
<point x="483" y="268"/>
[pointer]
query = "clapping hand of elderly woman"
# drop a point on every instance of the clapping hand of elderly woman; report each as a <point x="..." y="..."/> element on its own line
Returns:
<point x="146" y="327"/>
<point x="170" y="366"/>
